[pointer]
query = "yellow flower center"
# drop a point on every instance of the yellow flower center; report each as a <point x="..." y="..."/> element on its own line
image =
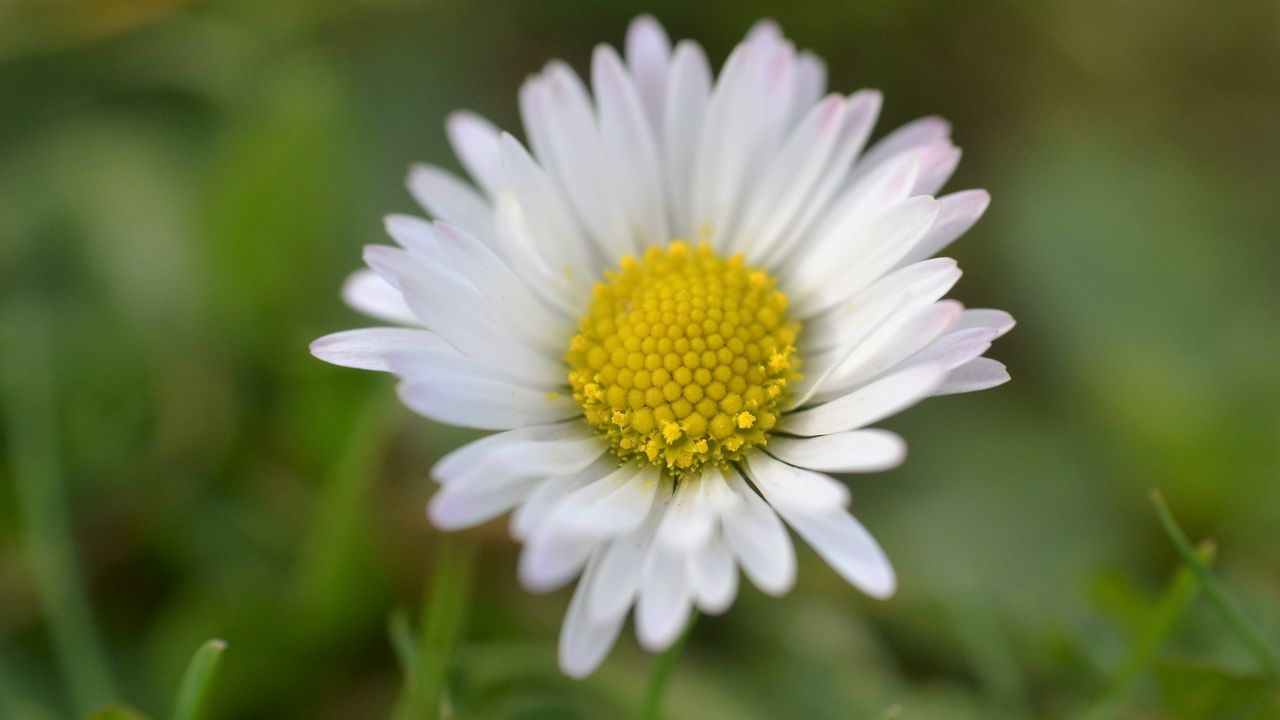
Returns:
<point x="684" y="357"/>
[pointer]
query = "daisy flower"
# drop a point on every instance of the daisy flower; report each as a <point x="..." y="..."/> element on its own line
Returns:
<point x="680" y="303"/>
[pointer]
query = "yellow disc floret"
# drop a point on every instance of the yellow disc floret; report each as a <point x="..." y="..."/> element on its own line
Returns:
<point x="684" y="357"/>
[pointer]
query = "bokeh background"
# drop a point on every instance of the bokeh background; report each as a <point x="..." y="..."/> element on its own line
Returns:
<point x="184" y="185"/>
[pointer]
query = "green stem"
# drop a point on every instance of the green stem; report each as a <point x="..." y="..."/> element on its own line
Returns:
<point x="663" y="666"/>
<point x="444" y="617"/>
<point x="28" y="408"/>
<point x="197" y="679"/>
<point x="1226" y="605"/>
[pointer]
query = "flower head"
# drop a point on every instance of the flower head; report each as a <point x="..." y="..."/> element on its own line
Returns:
<point x="681" y="308"/>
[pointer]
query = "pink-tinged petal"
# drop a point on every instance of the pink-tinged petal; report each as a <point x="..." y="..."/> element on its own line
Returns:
<point x="957" y="213"/>
<point x="998" y="321"/>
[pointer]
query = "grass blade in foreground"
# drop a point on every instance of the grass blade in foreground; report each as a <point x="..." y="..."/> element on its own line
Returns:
<point x="28" y="412"/>
<point x="197" y="679"/>
<point x="1151" y="636"/>
<point x="1225" y="604"/>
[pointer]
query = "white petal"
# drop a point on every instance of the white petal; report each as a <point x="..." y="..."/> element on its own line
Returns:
<point x="977" y="374"/>
<point x="794" y="488"/>
<point x="788" y="180"/>
<point x="847" y="546"/>
<point x="868" y="404"/>
<point x="415" y="234"/>
<point x="574" y="153"/>
<point x="369" y="348"/>
<point x="915" y="134"/>
<point x="456" y="463"/>
<point x="468" y="400"/>
<point x="956" y="214"/>
<point x="453" y="308"/>
<point x="889" y="345"/>
<point x="475" y="141"/>
<point x="564" y="248"/>
<point x="505" y="291"/>
<point x="665" y="600"/>
<point x="619" y="511"/>
<point x="463" y="505"/>
<point x="811" y="82"/>
<point x="555" y="271"/>
<point x="684" y="109"/>
<point x="853" y="451"/>
<point x="744" y="121"/>
<point x="997" y="320"/>
<point x="622" y="565"/>
<point x="549" y="560"/>
<point x="631" y="146"/>
<point x="544" y="498"/>
<point x="863" y="109"/>
<point x="690" y="519"/>
<point x="877" y="247"/>
<point x="873" y="195"/>
<point x="863" y="321"/>
<point x="957" y="348"/>
<point x="448" y="198"/>
<point x="924" y="283"/>
<point x="365" y="291"/>
<point x="648" y="51"/>
<point x="937" y="162"/>
<point x="713" y="576"/>
<point x="584" y="640"/>
<point x="537" y="451"/>
<point x="561" y="543"/>
<point x="758" y="540"/>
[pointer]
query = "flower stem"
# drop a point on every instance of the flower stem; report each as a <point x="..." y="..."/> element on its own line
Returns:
<point x="197" y="679"/>
<point x="444" y="616"/>
<point x="663" y="665"/>
<point x="1226" y="605"/>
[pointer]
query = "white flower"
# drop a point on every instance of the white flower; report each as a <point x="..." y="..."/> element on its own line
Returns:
<point x="681" y="308"/>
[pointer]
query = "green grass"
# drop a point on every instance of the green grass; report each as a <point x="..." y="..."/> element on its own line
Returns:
<point x="184" y="186"/>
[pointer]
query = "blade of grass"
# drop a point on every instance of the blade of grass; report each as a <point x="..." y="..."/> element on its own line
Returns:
<point x="403" y="642"/>
<point x="985" y="642"/>
<point x="197" y="680"/>
<point x="1159" y="625"/>
<point x="27" y="404"/>
<point x="444" y="617"/>
<point x="1218" y="596"/>
<point x="663" y="665"/>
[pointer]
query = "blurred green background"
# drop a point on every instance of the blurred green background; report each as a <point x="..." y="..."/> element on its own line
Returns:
<point x="184" y="185"/>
